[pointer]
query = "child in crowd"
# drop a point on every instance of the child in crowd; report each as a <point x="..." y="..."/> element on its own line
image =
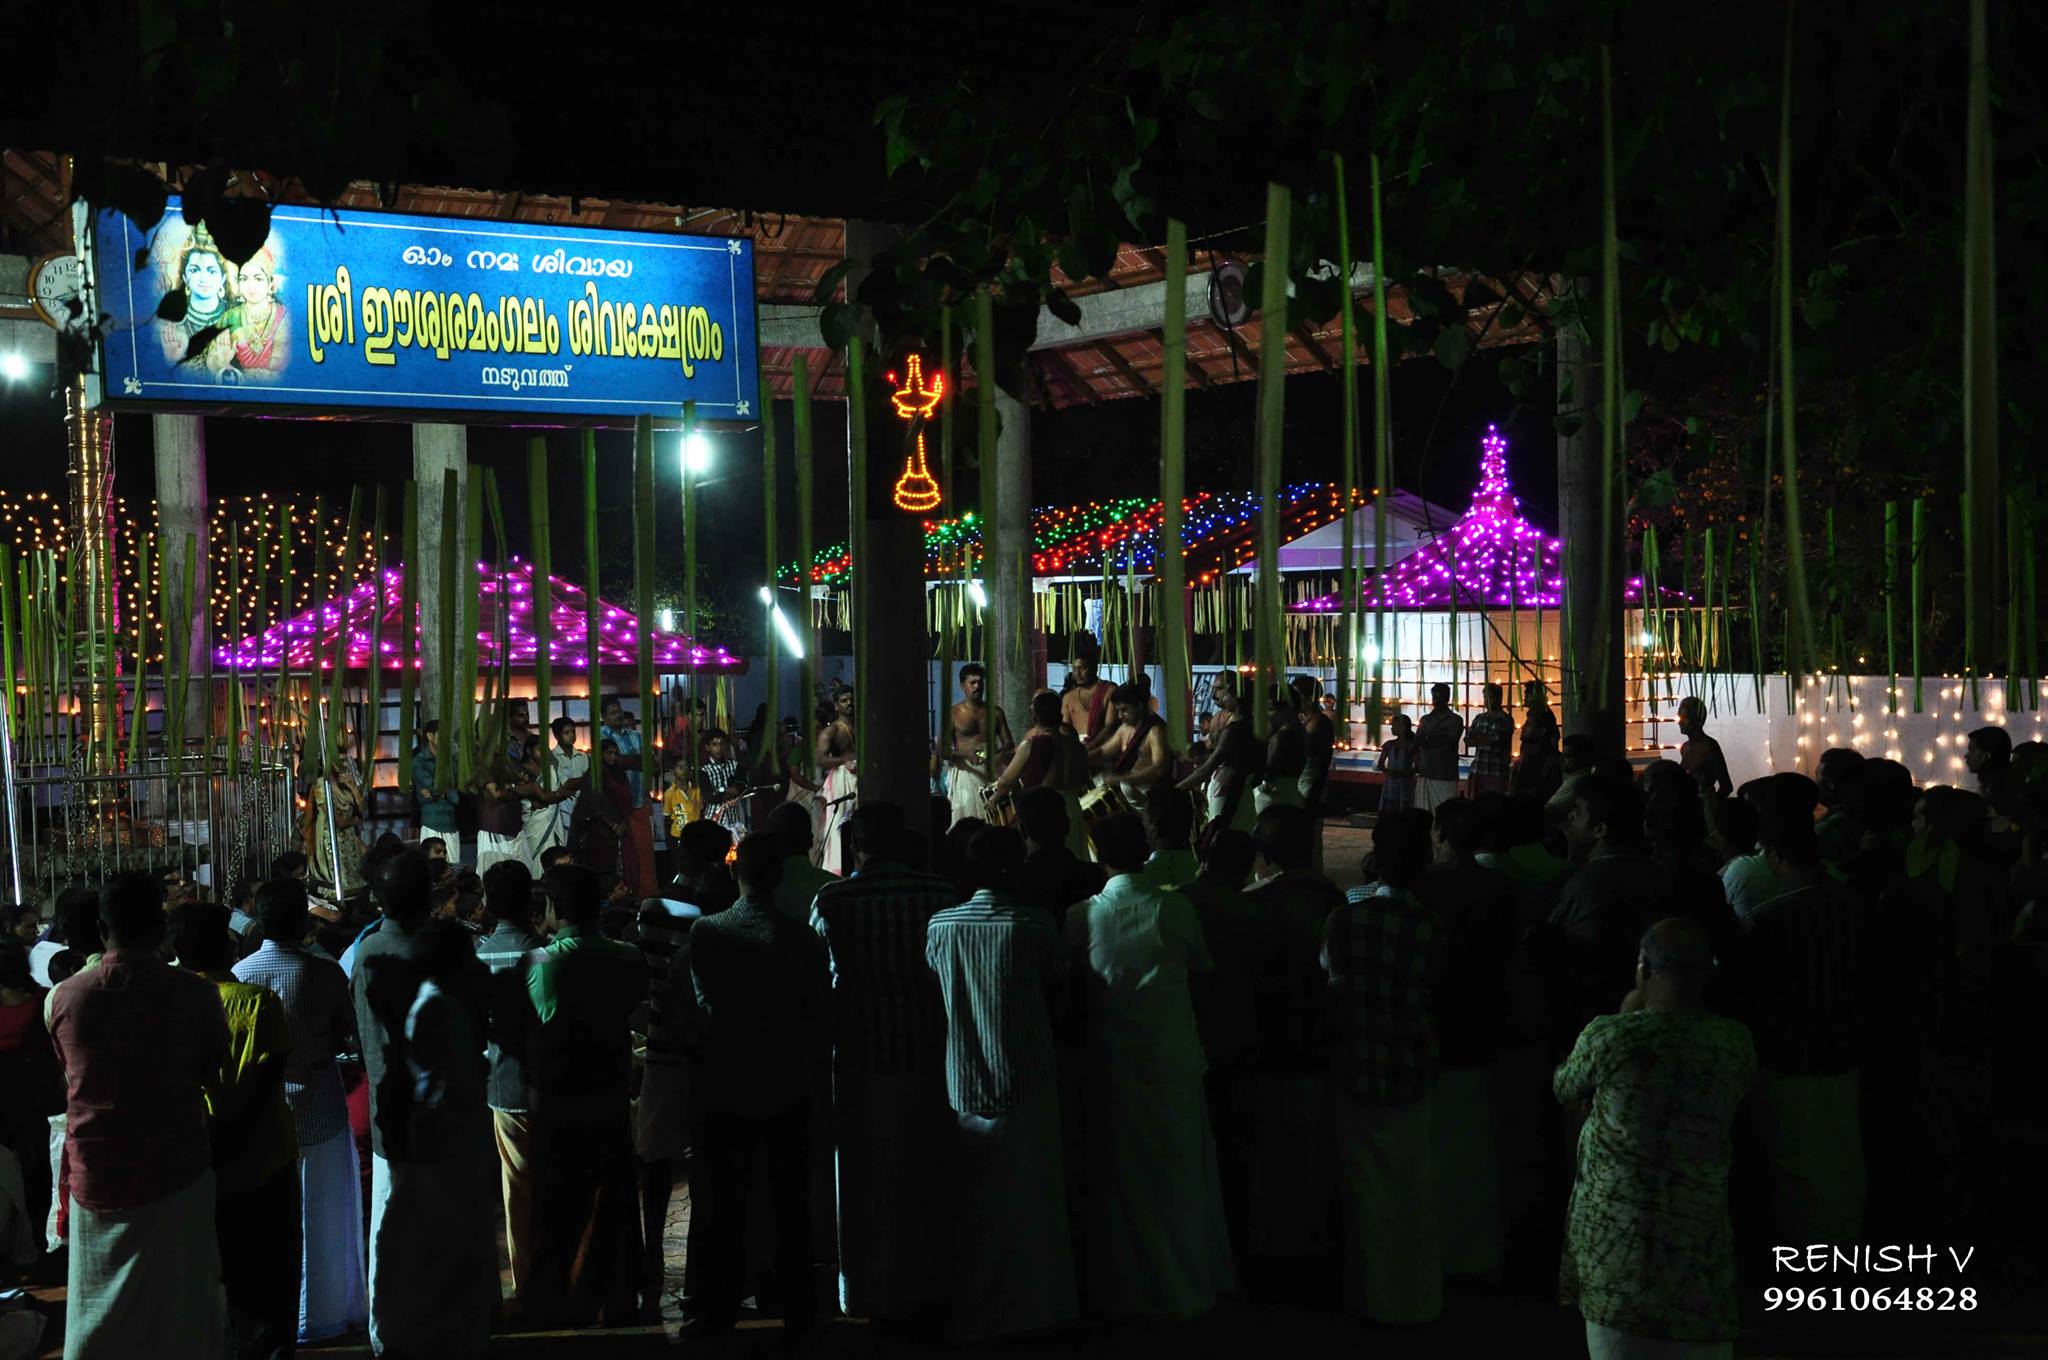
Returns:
<point x="1397" y="765"/>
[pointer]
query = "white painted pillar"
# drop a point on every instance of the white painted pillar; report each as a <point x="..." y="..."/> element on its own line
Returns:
<point x="436" y="449"/>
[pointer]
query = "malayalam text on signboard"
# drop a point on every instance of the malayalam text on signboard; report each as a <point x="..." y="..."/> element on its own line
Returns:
<point x="370" y="311"/>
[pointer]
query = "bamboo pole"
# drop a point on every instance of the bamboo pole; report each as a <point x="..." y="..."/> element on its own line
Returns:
<point x="540" y="533"/>
<point x="1171" y="626"/>
<point x="258" y="734"/>
<point x="279" y="706"/>
<point x="497" y="717"/>
<point x="593" y="665"/>
<point x="1383" y="473"/>
<point x="454" y="711"/>
<point x="695" y="634"/>
<point x="857" y="539"/>
<point x="372" y="734"/>
<point x="345" y="571"/>
<point x="1799" y="617"/>
<point x="1269" y="618"/>
<point x="235" y="632"/>
<point x="807" y="671"/>
<point x="1980" y="365"/>
<point x="1348" y="478"/>
<point x="643" y="586"/>
<point x="1915" y="598"/>
<point x="473" y="757"/>
<point x="408" y="633"/>
<point x="937" y="593"/>
<point x="771" y="730"/>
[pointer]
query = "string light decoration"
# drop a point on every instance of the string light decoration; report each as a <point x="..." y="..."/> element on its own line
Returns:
<point x="1217" y="536"/>
<point x="355" y="616"/>
<point x="35" y="520"/>
<point x="917" y="491"/>
<point x="1491" y="557"/>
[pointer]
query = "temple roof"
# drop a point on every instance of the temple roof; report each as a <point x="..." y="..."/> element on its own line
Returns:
<point x="295" y="639"/>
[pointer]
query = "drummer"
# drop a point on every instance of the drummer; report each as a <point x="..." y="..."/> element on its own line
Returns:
<point x="976" y="724"/>
<point x="1136" y="756"/>
<point x="1050" y="756"/>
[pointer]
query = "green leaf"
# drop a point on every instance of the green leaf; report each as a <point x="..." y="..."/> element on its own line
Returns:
<point x="838" y="323"/>
<point x="828" y="285"/>
<point x="1567" y="426"/>
<point x="901" y="149"/>
<point x="1452" y="345"/>
<point x="1631" y="403"/>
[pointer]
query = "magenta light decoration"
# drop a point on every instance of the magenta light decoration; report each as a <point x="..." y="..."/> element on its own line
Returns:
<point x="366" y="633"/>
<point x="1491" y="557"/>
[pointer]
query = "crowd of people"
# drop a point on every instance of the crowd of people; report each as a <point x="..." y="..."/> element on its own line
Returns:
<point x="1010" y="1072"/>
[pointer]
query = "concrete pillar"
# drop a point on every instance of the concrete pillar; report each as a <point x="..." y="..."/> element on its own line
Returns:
<point x="891" y="649"/>
<point x="1594" y="638"/>
<point x="181" y="513"/>
<point x="435" y="450"/>
<point x="1010" y="589"/>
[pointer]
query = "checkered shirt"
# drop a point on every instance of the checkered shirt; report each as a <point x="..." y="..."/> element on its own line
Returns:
<point x="887" y="1015"/>
<point x="1384" y="954"/>
<point x="1491" y="737"/>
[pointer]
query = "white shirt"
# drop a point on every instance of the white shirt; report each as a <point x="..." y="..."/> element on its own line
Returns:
<point x="1749" y="883"/>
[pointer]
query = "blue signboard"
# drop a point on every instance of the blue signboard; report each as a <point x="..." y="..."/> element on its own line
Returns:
<point x="345" y="310"/>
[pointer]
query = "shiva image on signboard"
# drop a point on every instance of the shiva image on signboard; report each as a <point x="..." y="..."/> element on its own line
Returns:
<point x="226" y="321"/>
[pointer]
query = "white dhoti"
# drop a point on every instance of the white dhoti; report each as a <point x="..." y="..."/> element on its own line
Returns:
<point x="1393" y="1259"/>
<point x="1813" y="1139"/>
<point x="1157" y="1243"/>
<point x="146" y="1281"/>
<point x="1431" y="794"/>
<point x="491" y="847"/>
<point x="964" y="790"/>
<point x="1013" y="1266"/>
<point x="434" y="1250"/>
<point x="835" y="805"/>
<point x="1216" y="796"/>
<point x="1276" y="793"/>
<point x="891" y="1132"/>
<point x="333" y="1284"/>
<point x="1466" y="1146"/>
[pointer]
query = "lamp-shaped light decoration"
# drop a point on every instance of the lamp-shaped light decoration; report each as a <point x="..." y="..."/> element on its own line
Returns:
<point x="917" y="491"/>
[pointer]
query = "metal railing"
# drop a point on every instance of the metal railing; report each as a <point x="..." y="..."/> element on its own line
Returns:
<point x="67" y="823"/>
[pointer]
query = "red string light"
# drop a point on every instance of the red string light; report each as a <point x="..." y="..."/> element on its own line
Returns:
<point x="917" y="491"/>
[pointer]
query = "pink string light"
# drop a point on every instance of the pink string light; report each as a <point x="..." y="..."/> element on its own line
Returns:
<point x="296" y="639"/>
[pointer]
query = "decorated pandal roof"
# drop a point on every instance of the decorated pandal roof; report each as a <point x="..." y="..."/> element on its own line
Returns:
<point x="375" y="608"/>
<point x="1218" y="534"/>
<point x="1492" y="558"/>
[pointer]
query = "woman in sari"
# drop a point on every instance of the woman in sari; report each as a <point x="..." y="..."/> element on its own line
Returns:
<point x="338" y="810"/>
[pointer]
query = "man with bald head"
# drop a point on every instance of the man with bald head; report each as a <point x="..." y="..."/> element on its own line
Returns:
<point x="1649" y="1254"/>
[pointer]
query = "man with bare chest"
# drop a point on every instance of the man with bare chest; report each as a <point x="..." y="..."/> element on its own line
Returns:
<point x="1088" y="707"/>
<point x="978" y="726"/>
<point x="838" y="769"/>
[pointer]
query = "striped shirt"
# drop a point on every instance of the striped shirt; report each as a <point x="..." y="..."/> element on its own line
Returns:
<point x="886" y="1013"/>
<point x="508" y="951"/>
<point x="993" y="957"/>
<point x="321" y="1020"/>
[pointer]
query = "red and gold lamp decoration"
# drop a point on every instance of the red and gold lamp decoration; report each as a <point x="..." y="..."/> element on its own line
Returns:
<point x="917" y="491"/>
